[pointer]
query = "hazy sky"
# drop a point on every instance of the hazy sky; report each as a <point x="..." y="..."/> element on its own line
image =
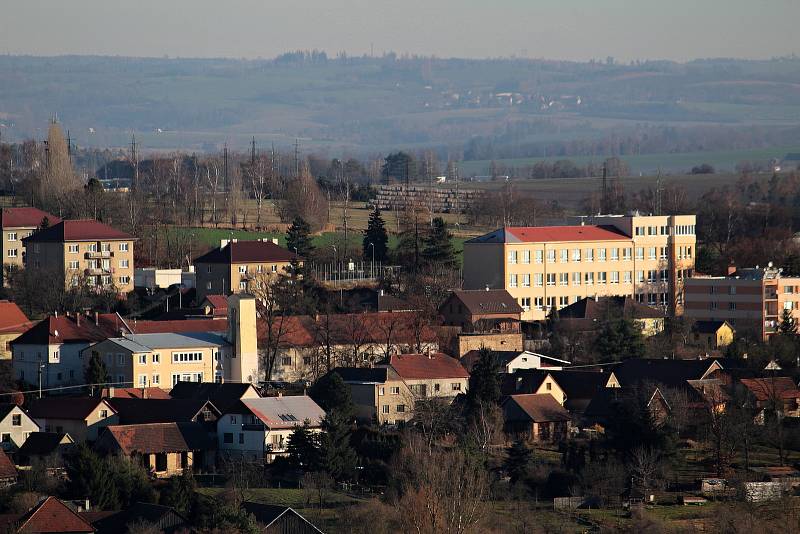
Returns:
<point x="558" y="29"/>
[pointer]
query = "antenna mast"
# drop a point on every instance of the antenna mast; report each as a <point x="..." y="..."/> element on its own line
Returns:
<point x="604" y="201"/>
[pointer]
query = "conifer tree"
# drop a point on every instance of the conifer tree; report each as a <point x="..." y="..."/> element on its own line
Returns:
<point x="518" y="461"/>
<point x="96" y="372"/>
<point x="375" y="236"/>
<point x="337" y="457"/>
<point x="298" y="238"/>
<point x="788" y="324"/>
<point x="438" y="249"/>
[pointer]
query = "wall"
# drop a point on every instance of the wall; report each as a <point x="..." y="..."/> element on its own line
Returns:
<point x="16" y="245"/>
<point x="17" y="434"/>
<point x="62" y="370"/>
<point x="468" y="342"/>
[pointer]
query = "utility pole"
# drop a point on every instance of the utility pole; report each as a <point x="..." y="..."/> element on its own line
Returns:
<point x="253" y="153"/>
<point x="604" y="199"/>
<point x="134" y="162"/>
<point x="657" y="206"/>
<point x="296" y="158"/>
<point x="41" y="366"/>
<point x="69" y="146"/>
<point x="225" y="166"/>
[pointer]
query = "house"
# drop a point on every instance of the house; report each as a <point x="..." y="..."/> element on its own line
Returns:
<point x="535" y="418"/>
<point x="48" y="515"/>
<point x="83" y="250"/>
<point x="588" y="314"/>
<point x="275" y="519"/>
<point x="773" y="393"/>
<point x="481" y="311"/>
<point x="163" y="519"/>
<point x="12" y="323"/>
<point x="215" y="305"/>
<point x="46" y="448"/>
<point x="134" y="393"/>
<point x="15" y="225"/>
<point x="259" y="429"/>
<point x="165" y="449"/>
<point x="547" y="268"/>
<point x="223" y="396"/>
<point x="141" y="411"/>
<point x="8" y="472"/>
<point x="430" y="375"/>
<point x="16" y="425"/>
<point x="235" y="265"/>
<point x="83" y="418"/>
<point x="573" y="389"/>
<point x="713" y="334"/>
<point x="512" y="360"/>
<point x="378" y="393"/>
<point x="603" y="408"/>
<point x="308" y="346"/>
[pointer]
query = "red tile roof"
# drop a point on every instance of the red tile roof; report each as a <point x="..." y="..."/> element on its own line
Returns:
<point x="74" y="408"/>
<point x="62" y="329"/>
<point x="179" y="326"/>
<point x="248" y="252"/>
<point x="78" y="230"/>
<point x="764" y="389"/>
<point x="7" y="469"/>
<point x="12" y="319"/>
<point x="538" y="408"/>
<point x="535" y="234"/>
<point x="218" y="301"/>
<point x="52" y="515"/>
<point x="424" y="366"/>
<point x="135" y="393"/>
<point x="25" y="218"/>
<point x="155" y="437"/>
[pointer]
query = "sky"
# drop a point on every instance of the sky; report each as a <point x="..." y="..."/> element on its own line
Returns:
<point x="553" y="29"/>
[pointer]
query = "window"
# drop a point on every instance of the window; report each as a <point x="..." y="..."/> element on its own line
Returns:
<point x="6" y="438"/>
<point x="274" y="268"/>
<point x="639" y="230"/>
<point x="664" y="275"/>
<point x="526" y="256"/>
<point x="589" y="254"/>
<point x="548" y="386"/>
<point x="563" y="301"/>
<point x="125" y="280"/>
<point x="551" y="256"/>
<point x="11" y="253"/>
<point x="526" y="280"/>
<point x="539" y="256"/>
<point x="651" y="298"/>
<point x="639" y="253"/>
<point x="385" y="409"/>
<point x="36" y="248"/>
<point x="589" y="279"/>
<point x="142" y="380"/>
<point x="665" y="230"/>
<point x="123" y="264"/>
<point x="103" y="413"/>
<point x="394" y="390"/>
<point x="627" y="277"/>
<point x="564" y="256"/>
<point x="92" y="247"/>
<point x="651" y="253"/>
<point x="208" y="285"/>
<point x="436" y="387"/>
<point x="652" y="230"/>
<point x="732" y="305"/>
<point x="73" y="264"/>
<point x="614" y="254"/>
<point x="73" y="249"/>
<point x="120" y="359"/>
<point x="512" y="256"/>
<point x="525" y="303"/>
<point x="185" y="357"/>
<point x="233" y="419"/>
<point x="123" y="247"/>
<point x="401" y="408"/>
<point x="551" y="279"/>
<point x="105" y="247"/>
<point x="651" y="275"/>
<point x="538" y="303"/>
<point x="615" y="277"/>
<point x="227" y="437"/>
<point x="576" y="279"/>
<point x="241" y="438"/>
<point x="156" y="358"/>
<point x="286" y="360"/>
<point x="12" y="236"/>
<point x="156" y="380"/>
<point x="208" y="269"/>
<point x="601" y="254"/>
<point x="563" y="279"/>
<point x="576" y="255"/>
<point x="512" y="280"/>
<point x="713" y="305"/>
<point x="259" y="268"/>
<point x="455" y="386"/>
<point x="602" y="277"/>
<point x="381" y="390"/>
<point x="538" y="279"/>
<point x="306" y="360"/>
<point x="626" y="254"/>
<point x="16" y="420"/>
<point x="551" y="303"/>
<point x="243" y="269"/>
<point x="662" y="253"/>
<point x="639" y="277"/>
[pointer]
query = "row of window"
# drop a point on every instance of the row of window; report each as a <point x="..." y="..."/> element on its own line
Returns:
<point x="576" y="279"/>
<point x="11" y="253"/>
<point x="577" y="255"/>
<point x="259" y="269"/>
<point x="186" y="357"/>
<point x="393" y="390"/>
<point x="155" y="380"/>
<point x="678" y="229"/>
<point x="74" y="248"/>
<point x="400" y="408"/>
<point x="104" y="280"/>
<point x="547" y="304"/>
<point x="12" y="236"/>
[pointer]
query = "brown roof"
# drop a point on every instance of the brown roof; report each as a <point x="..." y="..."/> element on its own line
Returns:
<point x="63" y="329"/>
<point x="764" y="389"/>
<point x="427" y="366"/>
<point x="538" y="408"/>
<point x="155" y="437"/>
<point x="52" y="515"/>
<point x="12" y="319"/>
<point x="179" y="327"/>
<point x="25" y="218"/>
<point x="7" y="469"/>
<point x="479" y="301"/>
<point x="589" y="308"/>
<point x="219" y="303"/>
<point x="169" y="410"/>
<point x="248" y="252"/>
<point x="135" y="393"/>
<point x="78" y="230"/>
<point x="77" y="408"/>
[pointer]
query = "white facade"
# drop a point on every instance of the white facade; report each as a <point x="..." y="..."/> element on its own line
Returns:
<point x="61" y="364"/>
<point x="532" y="360"/>
<point x="15" y="428"/>
<point x="152" y="278"/>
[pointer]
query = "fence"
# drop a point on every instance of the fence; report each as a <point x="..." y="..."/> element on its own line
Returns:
<point x="352" y="271"/>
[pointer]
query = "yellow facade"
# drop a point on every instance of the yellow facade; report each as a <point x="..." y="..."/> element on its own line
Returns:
<point x="648" y="262"/>
<point x="12" y="249"/>
<point x="227" y="278"/>
<point x="103" y="263"/>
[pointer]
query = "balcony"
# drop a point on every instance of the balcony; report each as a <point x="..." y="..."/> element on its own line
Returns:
<point x="97" y="255"/>
<point x="97" y="271"/>
<point x="253" y="427"/>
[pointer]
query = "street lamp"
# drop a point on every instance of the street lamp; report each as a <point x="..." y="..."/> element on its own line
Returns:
<point x="41" y="368"/>
<point x="335" y="266"/>
<point x="372" y="269"/>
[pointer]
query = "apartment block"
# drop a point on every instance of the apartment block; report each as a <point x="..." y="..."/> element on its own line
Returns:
<point x="751" y="300"/>
<point x="550" y="267"/>
<point x="83" y="249"/>
<point x="236" y="266"/>
<point x="15" y="225"/>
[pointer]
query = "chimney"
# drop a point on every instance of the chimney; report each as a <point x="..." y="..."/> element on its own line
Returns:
<point x="110" y="392"/>
<point x="78" y="319"/>
<point x="56" y="314"/>
<point x="731" y="269"/>
<point x="144" y="392"/>
<point x="86" y="505"/>
<point x="96" y="318"/>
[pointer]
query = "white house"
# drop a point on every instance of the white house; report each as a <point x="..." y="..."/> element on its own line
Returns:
<point x="15" y="426"/>
<point x="514" y="360"/>
<point x="259" y="429"/>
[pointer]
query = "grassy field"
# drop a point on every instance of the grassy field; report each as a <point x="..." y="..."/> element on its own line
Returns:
<point x="722" y="160"/>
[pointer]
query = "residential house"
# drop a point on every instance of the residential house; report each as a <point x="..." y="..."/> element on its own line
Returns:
<point x="235" y="265"/>
<point x="548" y="268"/>
<point x="535" y="418"/>
<point x="750" y="300"/>
<point x="83" y="418"/>
<point x="605" y="406"/>
<point x="164" y="449"/>
<point x="8" y="471"/>
<point x="378" y="393"/>
<point x="215" y="305"/>
<point x="47" y="448"/>
<point x="141" y="411"/>
<point x="162" y="519"/>
<point x="482" y="319"/>
<point x="16" y="425"/>
<point x="274" y="519"/>
<point x="259" y="429"/>
<point x="669" y="373"/>
<point x="773" y="393"/>
<point x="713" y="334"/>
<point x="48" y="515"/>
<point x="223" y="396"/>
<point x="15" y="225"/>
<point x="308" y="346"/>
<point x="573" y="389"/>
<point x="430" y="375"/>
<point x="83" y="250"/>
<point x="512" y="360"/>
<point x="12" y="323"/>
<point x="588" y="315"/>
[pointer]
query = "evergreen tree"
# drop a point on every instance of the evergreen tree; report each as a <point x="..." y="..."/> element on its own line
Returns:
<point x="788" y="325"/>
<point x="331" y="393"/>
<point x="619" y="340"/>
<point x="376" y="240"/>
<point x="96" y="372"/>
<point x="484" y="380"/>
<point x="438" y="249"/>
<point x="303" y="448"/>
<point x="298" y="237"/>
<point x="518" y="461"/>
<point x="180" y="493"/>
<point x="89" y="478"/>
<point x="337" y="457"/>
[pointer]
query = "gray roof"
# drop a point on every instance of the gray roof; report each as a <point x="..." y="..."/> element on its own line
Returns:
<point x="285" y="412"/>
<point x="148" y="342"/>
